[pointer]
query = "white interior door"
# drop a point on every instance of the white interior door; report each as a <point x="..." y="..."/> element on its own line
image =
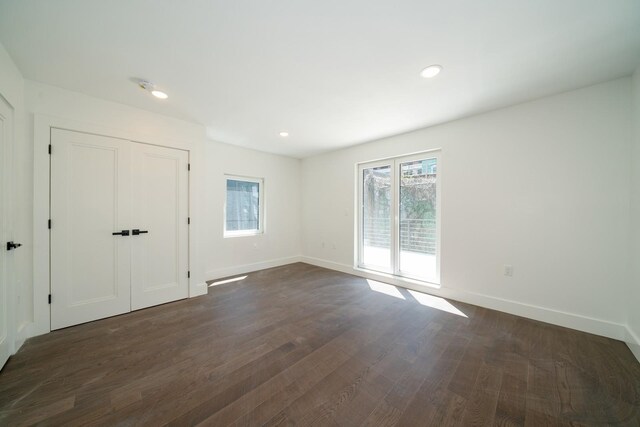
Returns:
<point x="90" y="200"/>
<point x="6" y="276"/>
<point x="160" y="258"/>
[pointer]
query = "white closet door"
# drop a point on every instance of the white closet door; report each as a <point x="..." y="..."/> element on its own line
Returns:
<point x="160" y="258"/>
<point x="90" y="200"/>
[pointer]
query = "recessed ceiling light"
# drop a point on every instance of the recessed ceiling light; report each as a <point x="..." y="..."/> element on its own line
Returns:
<point x="150" y="87"/>
<point x="284" y="134"/>
<point x="159" y="94"/>
<point x="431" y="71"/>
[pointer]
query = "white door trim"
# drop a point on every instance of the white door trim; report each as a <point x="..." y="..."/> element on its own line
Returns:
<point x="41" y="182"/>
<point x="7" y="263"/>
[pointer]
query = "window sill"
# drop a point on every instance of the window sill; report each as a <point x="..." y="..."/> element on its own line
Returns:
<point x="248" y="234"/>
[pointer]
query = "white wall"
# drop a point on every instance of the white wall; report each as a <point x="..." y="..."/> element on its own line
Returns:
<point x="280" y="243"/>
<point x="12" y="89"/>
<point x="543" y="186"/>
<point x="634" y="291"/>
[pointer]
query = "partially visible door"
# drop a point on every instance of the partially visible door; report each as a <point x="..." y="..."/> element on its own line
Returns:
<point x="6" y="308"/>
<point x="160" y="258"/>
<point x="90" y="200"/>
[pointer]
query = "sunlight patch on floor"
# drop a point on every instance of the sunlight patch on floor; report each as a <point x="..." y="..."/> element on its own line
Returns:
<point x="435" y="302"/>
<point x="222" y="282"/>
<point x="385" y="288"/>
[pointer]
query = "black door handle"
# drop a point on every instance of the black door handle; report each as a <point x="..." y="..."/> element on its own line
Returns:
<point x="136" y="232"/>
<point x="121" y="233"/>
<point x="11" y="245"/>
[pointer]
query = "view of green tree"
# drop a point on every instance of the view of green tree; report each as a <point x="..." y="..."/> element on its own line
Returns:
<point x="417" y="206"/>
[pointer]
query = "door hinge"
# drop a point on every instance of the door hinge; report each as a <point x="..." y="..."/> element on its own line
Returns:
<point x="49" y="224"/>
<point x="49" y="148"/>
<point x="49" y="298"/>
<point x="188" y="166"/>
<point x="188" y="220"/>
<point x="188" y="274"/>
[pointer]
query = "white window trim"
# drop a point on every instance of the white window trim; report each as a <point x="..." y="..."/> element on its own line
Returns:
<point x="394" y="163"/>
<point x="261" y="210"/>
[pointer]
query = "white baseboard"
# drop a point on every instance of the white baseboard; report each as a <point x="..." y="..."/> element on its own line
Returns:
<point x="197" y="289"/>
<point x="28" y="330"/>
<point x="248" y="268"/>
<point x="23" y="333"/>
<point x="633" y="341"/>
<point x="331" y="265"/>
<point x="569" y="320"/>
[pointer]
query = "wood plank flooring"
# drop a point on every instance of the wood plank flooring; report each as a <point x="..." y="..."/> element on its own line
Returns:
<point x="302" y="345"/>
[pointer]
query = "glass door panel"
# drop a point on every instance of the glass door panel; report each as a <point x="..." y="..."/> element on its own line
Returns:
<point x="417" y="227"/>
<point x="376" y="237"/>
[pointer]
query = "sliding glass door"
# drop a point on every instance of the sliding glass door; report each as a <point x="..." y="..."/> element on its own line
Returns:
<point x="399" y="218"/>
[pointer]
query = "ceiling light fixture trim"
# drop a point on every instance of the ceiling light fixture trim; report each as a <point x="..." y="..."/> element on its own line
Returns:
<point x="150" y="87"/>
<point x="431" y="71"/>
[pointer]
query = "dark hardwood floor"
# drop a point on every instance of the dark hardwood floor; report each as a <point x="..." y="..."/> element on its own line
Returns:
<point x="307" y="346"/>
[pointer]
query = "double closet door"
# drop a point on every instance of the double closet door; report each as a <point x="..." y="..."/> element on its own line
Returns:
<point x="119" y="232"/>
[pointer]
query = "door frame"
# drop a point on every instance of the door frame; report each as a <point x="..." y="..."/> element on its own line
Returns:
<point x="41" y="204"/>
<point x="394" y="163"/>
<point x="7" y="272"/>
<point x="360" y="217"/>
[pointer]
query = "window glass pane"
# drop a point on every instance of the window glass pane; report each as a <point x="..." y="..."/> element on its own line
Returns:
<point x="243" y="205"/>
<point x="418" y="218"/>
<point x="376" y="217"/>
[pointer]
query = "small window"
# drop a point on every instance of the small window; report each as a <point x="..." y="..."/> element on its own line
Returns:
<point x="244" y="208"/>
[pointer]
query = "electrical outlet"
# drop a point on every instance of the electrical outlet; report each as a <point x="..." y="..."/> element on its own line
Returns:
<point x="508" y="270"/>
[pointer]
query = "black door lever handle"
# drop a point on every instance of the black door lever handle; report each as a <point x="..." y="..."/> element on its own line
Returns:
<point x="121" y="233"/>
<point x="136" y="232"/>
<point x="11" y="245"/>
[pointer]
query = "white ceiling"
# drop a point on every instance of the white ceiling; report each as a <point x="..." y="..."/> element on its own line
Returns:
<point x="332" y="73"/>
